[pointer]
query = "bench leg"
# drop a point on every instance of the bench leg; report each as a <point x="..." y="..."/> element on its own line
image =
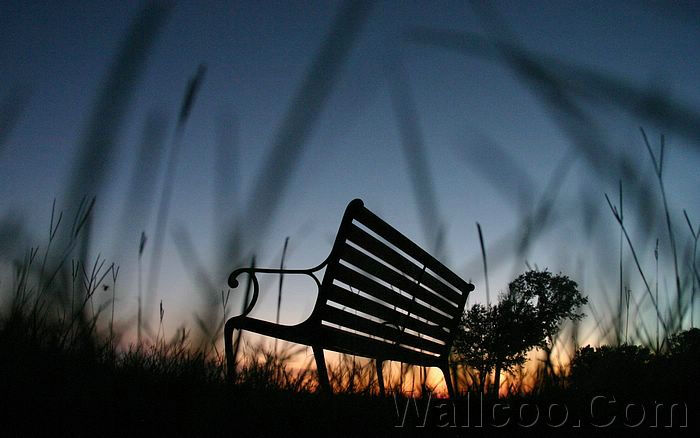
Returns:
<point x="380" y="377"/>
<point x="230" y="356"/>
<point x="322" y="370"/>
<point x="448" y="380"/>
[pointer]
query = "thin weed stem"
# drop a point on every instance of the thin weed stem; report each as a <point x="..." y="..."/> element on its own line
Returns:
<point x="658" y="169"/>
<point x="636" y="261"/>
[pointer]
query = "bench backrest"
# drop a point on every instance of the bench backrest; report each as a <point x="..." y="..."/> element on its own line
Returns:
<point x="384" y="296"/>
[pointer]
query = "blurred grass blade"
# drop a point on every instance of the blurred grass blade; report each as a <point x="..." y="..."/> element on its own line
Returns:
<point x="94" y="159"/>
<point x="138" y="204"/>
<point x="486" y="269"/>
<point x="416" y="157"/>
<point x="192" y="88"/>
<point x="555" y="84"/>
<point x="279" y="289"/>
<point x="226" y="179"/>
<point x="191" y="260"/>
<point x="496" y="166"/>
<point x="647" y="104"/>
<point x="548" y="87"/>
<point x="163" y="212"/>
<point x="11" y="108"/>
<point x="93" y="163"/>
<point x="531" y="225"/>
<point x="11" y="235"/>
<point x="297" y="125"/>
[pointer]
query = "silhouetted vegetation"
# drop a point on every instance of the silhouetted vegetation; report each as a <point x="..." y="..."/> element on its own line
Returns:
<point x="633" y="372"/>
<point x="497" y="337"/>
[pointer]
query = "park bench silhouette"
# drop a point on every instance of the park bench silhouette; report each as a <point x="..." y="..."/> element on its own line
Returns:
<point x="381" y="297"/>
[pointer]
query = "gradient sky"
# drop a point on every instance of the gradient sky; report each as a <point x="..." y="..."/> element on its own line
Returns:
<point x="257" y="54"/>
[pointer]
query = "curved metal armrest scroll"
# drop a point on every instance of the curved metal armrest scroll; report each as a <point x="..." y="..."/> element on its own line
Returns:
<point x="233" y="280"/>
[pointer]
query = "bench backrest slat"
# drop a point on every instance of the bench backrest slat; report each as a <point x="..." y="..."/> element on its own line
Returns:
<point x="351" y="343"/>
<point x="393" y="317"/>
<point x="352" y="321"/>
<point x="377" y="290"/>
<point x="390" y="234"/>
<point x="395" y="279"/>
<point x="384" y="252"/>
<point x="382" y="289"/>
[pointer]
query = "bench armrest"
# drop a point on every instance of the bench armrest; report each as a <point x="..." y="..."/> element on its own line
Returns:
<point x="233" y="280"/>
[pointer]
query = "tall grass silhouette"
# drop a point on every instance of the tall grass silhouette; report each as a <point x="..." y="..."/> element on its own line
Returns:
<point x="296" y="126"/>
<point x="165" y="200"/>
<point x="140" y="196"/>
<point x="94" y="162"/>
<point x="413" y="145"/>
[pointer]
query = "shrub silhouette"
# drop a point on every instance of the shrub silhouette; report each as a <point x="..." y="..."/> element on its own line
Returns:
<point x="680" y="373"/>
<point x="621" y="371"/>
<point x="635" y="372"/>
<point x="528" y="315"/>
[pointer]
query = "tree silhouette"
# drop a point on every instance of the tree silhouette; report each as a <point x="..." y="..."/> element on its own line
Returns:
<point x="497" y="337"/>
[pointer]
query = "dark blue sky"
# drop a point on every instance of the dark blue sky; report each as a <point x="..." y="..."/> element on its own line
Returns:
<point x="257" y="55"/>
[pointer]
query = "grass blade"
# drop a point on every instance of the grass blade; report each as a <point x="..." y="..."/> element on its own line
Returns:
<point x="298" y="123"/>
<point x="414" y="151"/>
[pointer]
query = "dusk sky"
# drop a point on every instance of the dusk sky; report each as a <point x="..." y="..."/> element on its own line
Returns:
<point x="490" y="142"/>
